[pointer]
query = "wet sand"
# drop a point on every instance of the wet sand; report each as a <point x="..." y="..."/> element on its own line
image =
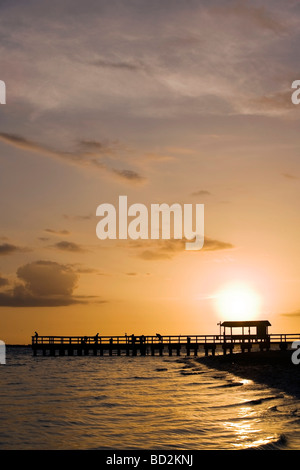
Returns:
<point x="272" y="368"/>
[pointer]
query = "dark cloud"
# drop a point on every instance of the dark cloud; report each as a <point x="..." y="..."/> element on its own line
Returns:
<point x="201" y="192"/>
<point x="296" y="314"/>
<point x="129" y="175"/>
<point x="95" y="147"/>
<point x="81" y="159"/>
<point x="8" y="249"/>
<point x="43" y="284"/>
<point x="3" y="281"/>
<point x="44" y="278"/>
<point x="57" y="232"/>
<point x="69" y="246"/>
<point x="133" y="67"/>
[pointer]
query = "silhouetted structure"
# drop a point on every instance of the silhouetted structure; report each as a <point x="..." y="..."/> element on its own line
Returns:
<point x="260" y="325"/>
<point x="251" y="333"/>
<point x="246" y="339"/>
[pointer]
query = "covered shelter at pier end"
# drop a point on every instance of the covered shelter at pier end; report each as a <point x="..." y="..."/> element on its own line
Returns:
<point x="255" y="329"/>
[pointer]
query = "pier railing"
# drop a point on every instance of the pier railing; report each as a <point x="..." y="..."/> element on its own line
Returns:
<point x="165" y="339"/>
<point x="145" y="345"/>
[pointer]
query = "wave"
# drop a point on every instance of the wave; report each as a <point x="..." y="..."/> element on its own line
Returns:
<point x="136" y="377"/>
<point x="229" y="385"/>
<point x="259" y="401"/>
<point x="277" y="444"/>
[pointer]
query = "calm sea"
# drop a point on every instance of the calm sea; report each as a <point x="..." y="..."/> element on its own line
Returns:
<point x="138" y="403"/>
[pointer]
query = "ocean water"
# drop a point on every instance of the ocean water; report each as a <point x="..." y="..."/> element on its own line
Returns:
<point x="136" y="403"/>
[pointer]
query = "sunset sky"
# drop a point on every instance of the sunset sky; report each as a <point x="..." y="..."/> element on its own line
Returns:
<point x="162" y="101"/>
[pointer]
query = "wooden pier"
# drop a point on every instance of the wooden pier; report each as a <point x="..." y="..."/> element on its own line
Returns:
<point x="166" y="344"/>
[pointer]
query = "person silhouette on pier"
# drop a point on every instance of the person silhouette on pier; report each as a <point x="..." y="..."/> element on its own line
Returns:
<point x="36" y="336"/>
<point x="142" y="339"/>
<point x="159" y="337"/>
<point x="96" y="338"/>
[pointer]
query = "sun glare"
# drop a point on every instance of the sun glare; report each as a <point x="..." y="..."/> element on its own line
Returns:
<point x="238" y="302"/>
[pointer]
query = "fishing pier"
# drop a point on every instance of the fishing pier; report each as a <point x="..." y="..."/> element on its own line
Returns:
<point x="250" y="334"/>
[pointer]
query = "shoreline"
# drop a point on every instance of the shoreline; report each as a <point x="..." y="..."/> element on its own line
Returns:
<point x="272" y="368"/>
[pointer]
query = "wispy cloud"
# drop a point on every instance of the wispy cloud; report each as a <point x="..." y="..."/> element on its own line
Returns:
<point x="167" y="249"/>
<point x="117" y="64"/>
<point x="289" y="176"/>
<point x="69" y="246"/>
<point x="201" y="192"/>
<point x="77" y="217"/>
<point x="129" y="175"/>
<point x="81" y="159"/>
<point x="296" y="314"/>
<point x="57" y="232"/>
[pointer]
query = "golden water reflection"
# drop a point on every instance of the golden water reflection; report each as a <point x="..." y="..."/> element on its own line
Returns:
<point x="249" y="433"/>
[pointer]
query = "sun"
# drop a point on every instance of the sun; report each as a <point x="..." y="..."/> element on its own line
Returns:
<point x="238" y="301"/>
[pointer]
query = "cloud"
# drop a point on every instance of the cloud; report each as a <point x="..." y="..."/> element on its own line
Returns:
<point x="131" y="66"/>
<point x="57" y="232"/>
<point x="8" y="249"/>
<point x="3" y="281"/>
<point x="296" y="313"/>
<point x="77" y="217"/>
<point x="215" y="245"/>
<point x="69" y="246"/>
<point x="201" y="192"/>
<point x="167" y="249"/>
<point x="129" y="175"/>
<point x="81" y="159"/>
<point x="85" y="270"/>
<point x="47" y="278"/>
<point x="289" y="176"/>
<point x="43" y="284"/>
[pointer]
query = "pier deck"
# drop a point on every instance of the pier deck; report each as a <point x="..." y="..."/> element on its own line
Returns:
<point x="156" y="345"/>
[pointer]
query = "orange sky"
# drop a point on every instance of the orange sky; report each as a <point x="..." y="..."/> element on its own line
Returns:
<point x="168" y="102"/>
